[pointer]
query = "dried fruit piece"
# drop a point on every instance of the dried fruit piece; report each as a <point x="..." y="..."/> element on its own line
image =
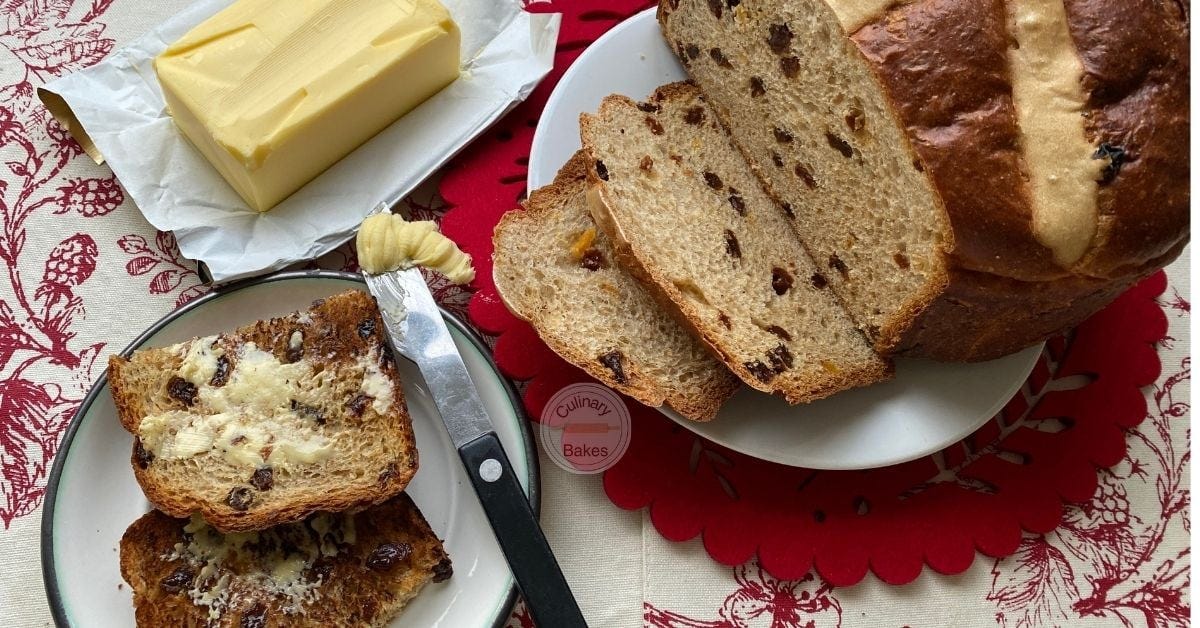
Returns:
<point x="181" y="390"/>
<point x="787" y="209"/>
<point x="692" y="51"/>
<point x="837" y="264"/>
<point x="757" y="88"/>
<point x="648" y="107"/>
<point x="781" y="280"/>
<point x="141" y="455"/>
<point x="760" y="371"/>
<point x="443" y="570"/>
<point x="830" y="367"/>
<point x="221" y="375"/>
<point x="309" y="412"/>
<point x="724" y="318"/>
<point x="719" y="58"/>
<point x="601" y="170"/>
<point x="779" y="331"/>
<point x="178" y="580"/>
<point x="582" y="243"/>
<point x="263" y="479"/>
<point x="779" y="38"/>
<point x="592" y="260"/>
<point x="790" y="66"/>
<point x="646" y="164"/>
<point x="776" y="159"/>
<point x="715" y="7"/>
<point x="901" y="260"/>
<point x="612" y="361"/>
<point x="732" y="247"/>
<point x="783" y="136"/>
<point x="737" y="202"/>
<point x="781" y="358"/>
<point x="655" y="127"/>
<point x="819" y="281"/>
<point x="806" y="176"/>
<point x="388" y="555"/>
<point x="694" y="115"/>
<point x="1116" y="158"/>
<point x="359" y="404"/>
<point x="840" y="145"/>
<point x="240" y="498"/>
<point x="713" y="181"/>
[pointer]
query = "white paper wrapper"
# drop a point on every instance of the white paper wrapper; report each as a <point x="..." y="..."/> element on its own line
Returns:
<point x="120" y="107"/>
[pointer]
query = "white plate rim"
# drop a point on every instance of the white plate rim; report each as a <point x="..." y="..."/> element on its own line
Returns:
<point x="54" y="597"/>
<point x="543" y="135"/>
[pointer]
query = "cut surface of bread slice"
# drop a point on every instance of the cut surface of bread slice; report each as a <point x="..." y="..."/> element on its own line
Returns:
<point x="326" y="570"/>
<point x="271" y="422"/>
<point x="553" y="268"/>
<point x="687" y="212"/>
<point x="807" y="112"/>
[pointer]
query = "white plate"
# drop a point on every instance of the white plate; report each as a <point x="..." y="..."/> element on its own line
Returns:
<point x="928" y="406"/>
<point x="92" y="495"/>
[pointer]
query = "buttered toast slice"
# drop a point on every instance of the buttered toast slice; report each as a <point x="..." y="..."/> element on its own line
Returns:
<point x="327" y="570"/>
<point x="553" y="268"/>
<point x="272" y="422"/>
<point x="687" y="213"/>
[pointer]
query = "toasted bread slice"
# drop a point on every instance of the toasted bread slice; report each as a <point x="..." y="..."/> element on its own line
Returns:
<point x="272" y="422"/>
<point x="553" y="268"/>
<point x="686" y="211"/>
<point x="327" y="570"/>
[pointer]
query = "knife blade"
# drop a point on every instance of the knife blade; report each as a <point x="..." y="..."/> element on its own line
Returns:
<point x="417" y="331"/>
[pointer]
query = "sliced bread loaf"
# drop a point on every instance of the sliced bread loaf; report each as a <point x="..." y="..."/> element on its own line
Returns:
<point x="972" y="176"/>
<point x="272" y="422"/>
<point x="553" y="268"/>
<point x="327" y="570"/>
<point x="689" y="215"/>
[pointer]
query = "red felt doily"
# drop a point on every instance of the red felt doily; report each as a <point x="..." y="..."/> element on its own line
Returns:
<point x="1013" y="474"/>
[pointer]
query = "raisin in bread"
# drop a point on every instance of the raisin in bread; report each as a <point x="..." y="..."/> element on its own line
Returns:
<point x="554" y="269"/>
<point x="972" y="176"/>
<point x="272" y="422"/>
<point x="326" y="570"/>
<point x="688" y="214"/>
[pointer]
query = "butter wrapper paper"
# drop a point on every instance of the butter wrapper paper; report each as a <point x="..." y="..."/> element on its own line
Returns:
<point x="117" y="112"/>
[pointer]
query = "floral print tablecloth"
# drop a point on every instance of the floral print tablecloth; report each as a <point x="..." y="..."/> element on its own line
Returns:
<point x="84" y="274"/>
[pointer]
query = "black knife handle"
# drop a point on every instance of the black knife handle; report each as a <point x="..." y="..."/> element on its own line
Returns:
<point x="547" y="594"/>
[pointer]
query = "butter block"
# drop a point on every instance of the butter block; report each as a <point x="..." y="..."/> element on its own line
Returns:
<point x="273" y="92"/>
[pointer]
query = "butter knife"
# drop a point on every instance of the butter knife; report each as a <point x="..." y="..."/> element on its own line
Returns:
<point x="417" y="331"/>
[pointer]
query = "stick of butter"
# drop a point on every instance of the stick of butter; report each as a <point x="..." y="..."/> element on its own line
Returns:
<point x="273" y="92"/>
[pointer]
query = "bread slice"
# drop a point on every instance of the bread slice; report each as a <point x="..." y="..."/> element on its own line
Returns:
<point x="808" y="113"/>
<point x="553" y="268"/>
<point x="688" y="213"/>
<point x="272" y="422"/>
<point x="327" y="570"/>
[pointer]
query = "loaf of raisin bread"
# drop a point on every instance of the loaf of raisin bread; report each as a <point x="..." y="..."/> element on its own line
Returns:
<point x="553" y="268"/>
<point x="326" y="570"/>
<point x="272" y="422"/>
<point x="688" y="215"/>
<point x="972" y="177"/>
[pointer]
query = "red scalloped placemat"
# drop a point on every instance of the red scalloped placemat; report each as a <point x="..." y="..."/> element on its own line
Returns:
<point x="1013" y="474"/>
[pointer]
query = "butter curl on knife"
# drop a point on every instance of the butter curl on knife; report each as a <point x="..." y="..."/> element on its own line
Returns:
<point x="388" y="242"/>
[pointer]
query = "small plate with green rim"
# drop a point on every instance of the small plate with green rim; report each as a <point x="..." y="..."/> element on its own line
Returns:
<point x="92" y="496"/>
